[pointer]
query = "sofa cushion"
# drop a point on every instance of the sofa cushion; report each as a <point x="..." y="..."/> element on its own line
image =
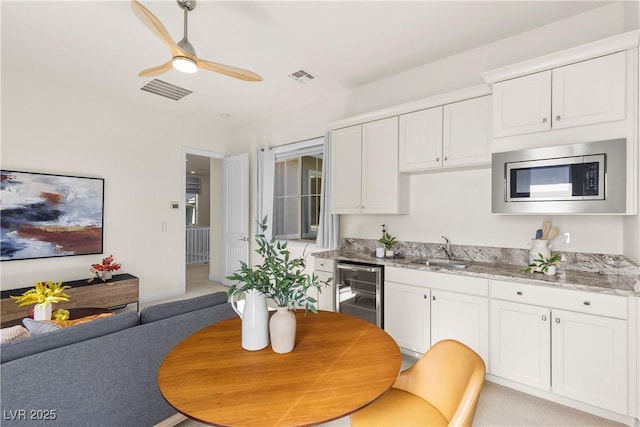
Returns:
<point x="39" y="327"/>
<point x="66" y="336"/>
<point x="13" y="333"/>
<point x="174" y="308"/>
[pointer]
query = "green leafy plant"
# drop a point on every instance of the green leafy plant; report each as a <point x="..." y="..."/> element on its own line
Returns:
<point x="280" y="276"/>
<point x="43" y="293"/>
<point x="542" y="263"/>
<point x="388" y="241"/>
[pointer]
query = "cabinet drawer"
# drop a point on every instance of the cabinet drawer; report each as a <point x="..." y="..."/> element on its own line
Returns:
<point x="442" y="281"/>
<point x="323" y="264"/>
<point x="566" y="299"/>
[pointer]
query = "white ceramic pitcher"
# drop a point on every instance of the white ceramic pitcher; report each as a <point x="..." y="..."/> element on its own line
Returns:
<point x="255" y="320"/>
<point x="539" y="246"/>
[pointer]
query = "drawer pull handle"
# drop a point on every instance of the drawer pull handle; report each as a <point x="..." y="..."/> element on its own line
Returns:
<point x="519" y="293"/>
<point x="586" y="302"/>
<point x="544" y="318"/>
<point x="557" y="320"/>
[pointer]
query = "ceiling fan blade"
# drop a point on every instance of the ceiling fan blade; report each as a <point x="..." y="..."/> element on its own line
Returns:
<point x="228" y="70"/>
<point x="156" y="71"/>
<point x="155" y="25"/>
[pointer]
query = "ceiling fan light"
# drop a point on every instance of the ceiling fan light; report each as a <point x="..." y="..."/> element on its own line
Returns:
<point x="184" y="64"/>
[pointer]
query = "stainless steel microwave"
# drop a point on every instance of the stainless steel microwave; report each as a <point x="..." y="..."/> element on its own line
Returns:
<point x="577" y="178"/>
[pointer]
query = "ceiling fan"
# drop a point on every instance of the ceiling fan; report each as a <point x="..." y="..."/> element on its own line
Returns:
<point x="183" y="54"/>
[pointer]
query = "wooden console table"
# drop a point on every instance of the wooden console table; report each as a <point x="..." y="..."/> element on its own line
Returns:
<point x="121" y="290"/>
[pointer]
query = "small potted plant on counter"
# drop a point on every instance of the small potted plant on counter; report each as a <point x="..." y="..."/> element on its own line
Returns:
<point x="544" y="264"/>
<point x="388" y="241"/>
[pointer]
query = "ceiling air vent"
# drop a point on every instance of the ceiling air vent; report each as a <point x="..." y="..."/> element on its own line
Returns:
<point x="301" y="76"/>
<point x="165" y="89"/>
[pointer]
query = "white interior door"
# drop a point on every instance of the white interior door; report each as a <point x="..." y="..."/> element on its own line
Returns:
<point x="235" y="233"/>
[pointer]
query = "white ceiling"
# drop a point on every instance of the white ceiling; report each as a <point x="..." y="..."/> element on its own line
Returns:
<point x="98" y="47"/>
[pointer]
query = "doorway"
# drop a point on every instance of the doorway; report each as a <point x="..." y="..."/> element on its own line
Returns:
<point x="201" y="220"/>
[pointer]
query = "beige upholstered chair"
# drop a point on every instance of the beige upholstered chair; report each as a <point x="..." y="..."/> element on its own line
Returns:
<point x="441" y="389"/>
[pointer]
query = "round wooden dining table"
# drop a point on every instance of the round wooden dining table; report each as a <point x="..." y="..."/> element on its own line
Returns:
<point x="339" y="364"/>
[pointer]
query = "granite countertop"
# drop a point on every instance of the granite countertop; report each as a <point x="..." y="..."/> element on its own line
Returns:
<point x="615" y="284"/>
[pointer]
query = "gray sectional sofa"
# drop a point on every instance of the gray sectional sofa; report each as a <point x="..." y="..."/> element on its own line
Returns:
<point x="101" y="373"/>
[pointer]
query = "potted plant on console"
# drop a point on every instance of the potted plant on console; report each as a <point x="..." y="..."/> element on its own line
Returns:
<point x="280" y="278"/>
<point x="104" y="270"/>
<point x="42" y="296"/>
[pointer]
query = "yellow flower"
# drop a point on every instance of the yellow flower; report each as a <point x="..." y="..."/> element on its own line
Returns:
<point x="44" y="293"/>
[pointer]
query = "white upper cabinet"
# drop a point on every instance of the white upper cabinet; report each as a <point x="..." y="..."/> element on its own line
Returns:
<point x="466" y="137"/>
<point x="365" y="175"/>
<point x="456" y="134"/>
<point x="346" y="158"/>
<point x="421" y="140"/>
<point x="522" y="105"/>
<point x="584" y="93"/>
<point x="380" y="166"/>
<point x="589" y="92"/>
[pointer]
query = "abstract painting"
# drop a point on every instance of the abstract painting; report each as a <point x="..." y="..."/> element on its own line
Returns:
<point x="44" y="215"/>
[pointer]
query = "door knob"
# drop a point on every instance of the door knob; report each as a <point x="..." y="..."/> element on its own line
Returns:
<point x="244" y="239"/>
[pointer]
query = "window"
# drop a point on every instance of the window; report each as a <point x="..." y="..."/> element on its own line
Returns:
<point x="297" y="191"/>
<point x="191" y="200"/>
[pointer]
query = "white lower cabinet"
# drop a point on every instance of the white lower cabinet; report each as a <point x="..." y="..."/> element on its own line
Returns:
<point x="461" y="317"/>
<point x="323" y="269"/>
<point x="583" y="356"/>
<point x="521" y="343"/>
<point x="407" y="315"/>
<point x="419" y="312"/>
<point x="589" y="359"/>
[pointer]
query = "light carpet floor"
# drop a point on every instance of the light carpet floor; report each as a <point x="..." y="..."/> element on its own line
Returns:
<point x="498" y="405"/>
<point x="502" y="406"/>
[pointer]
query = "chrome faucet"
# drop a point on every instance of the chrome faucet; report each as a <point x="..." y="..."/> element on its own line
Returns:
<point x="446" y="248"/>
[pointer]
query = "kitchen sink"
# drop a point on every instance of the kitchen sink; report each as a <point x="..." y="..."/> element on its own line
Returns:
<point x="446" y="263"/>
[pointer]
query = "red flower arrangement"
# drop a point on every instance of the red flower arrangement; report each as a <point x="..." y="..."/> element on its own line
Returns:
<point x="104" y="270"/>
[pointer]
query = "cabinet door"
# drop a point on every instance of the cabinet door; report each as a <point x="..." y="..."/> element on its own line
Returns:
<point x="421" y="140"/>
<point x="466" y="138"/>
<point x="590" y="359"/>
<point x="406" y="315"/>
<point x="380" y="166"/>
<point x="464" y="318"/>
<point x="346" y="172"/>
<point x="522" y="105"/>
<point x="589" y="92"/>
<point x="326" y="296"/>
<point x="521" y="343"/>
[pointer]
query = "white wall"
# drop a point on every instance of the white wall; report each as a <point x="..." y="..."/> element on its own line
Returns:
<point x="138" y="153"/>
<point x="457" y="204"/>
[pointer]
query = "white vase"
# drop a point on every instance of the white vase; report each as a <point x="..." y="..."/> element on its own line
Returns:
<point x="282" y="327"/>
<point x="106" y="276"/>
<point x="538" y="246"/>
<point x="255" y="320"/>
<point x="551" y="270"/>
<point x="42" y="312"/>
